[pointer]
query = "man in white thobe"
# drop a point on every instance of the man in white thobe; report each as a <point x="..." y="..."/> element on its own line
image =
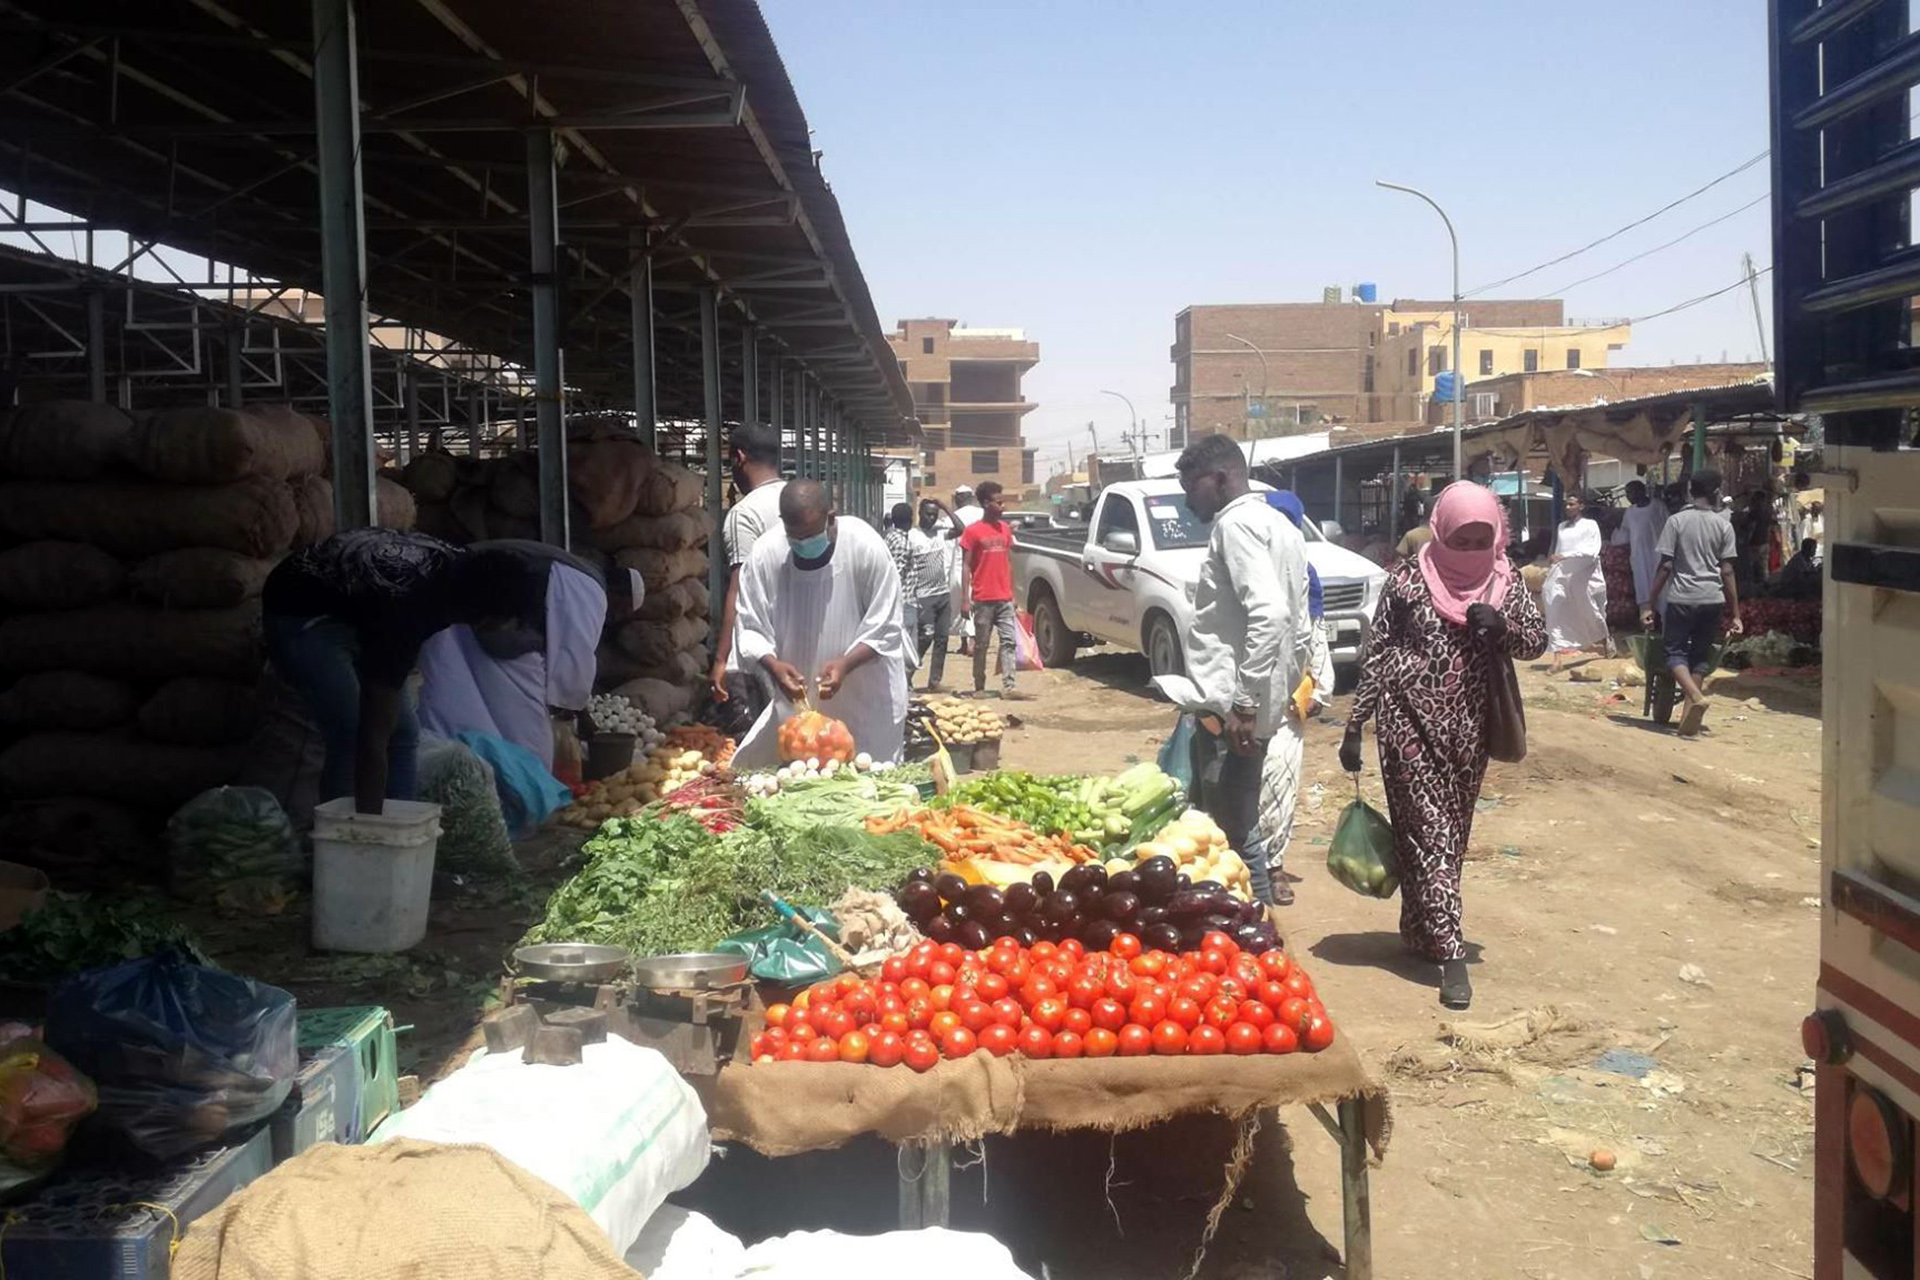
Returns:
<point x="1640" y="527"/>
<point x="820" y="614"/>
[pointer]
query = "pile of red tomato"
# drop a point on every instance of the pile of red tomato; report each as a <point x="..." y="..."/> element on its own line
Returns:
<point x="1052" y="1000"/>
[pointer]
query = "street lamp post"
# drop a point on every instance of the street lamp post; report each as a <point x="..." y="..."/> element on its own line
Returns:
<point x="1265" y="378"/>
<point x="1133" y="432"/>
<point x="1459" y="383"/>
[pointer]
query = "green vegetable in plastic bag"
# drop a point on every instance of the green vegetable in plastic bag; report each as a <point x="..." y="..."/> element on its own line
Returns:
<point x="782" y="953"/>
<point x="473" y="832"/>
<point x="1361" y="855"/>
<point x="234" y="847"/>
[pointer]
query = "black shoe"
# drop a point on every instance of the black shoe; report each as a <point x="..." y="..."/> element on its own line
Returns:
<point x="1456" y="989"/>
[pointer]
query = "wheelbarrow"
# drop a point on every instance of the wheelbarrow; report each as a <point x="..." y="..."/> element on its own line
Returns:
<point x="1662" y="689"/>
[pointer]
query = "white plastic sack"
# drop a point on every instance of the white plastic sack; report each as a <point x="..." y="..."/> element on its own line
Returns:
<point x="679" y="1244"/>
<point x="619" y="1131"/>
<point x="808" y="1255"/>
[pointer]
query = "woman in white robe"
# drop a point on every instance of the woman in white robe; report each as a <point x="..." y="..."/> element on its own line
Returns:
<point x="812" y="618"/>
<point x="1574" y="596"/>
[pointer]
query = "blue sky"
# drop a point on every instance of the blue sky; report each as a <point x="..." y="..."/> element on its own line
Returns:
<point x="1085" y="170"/>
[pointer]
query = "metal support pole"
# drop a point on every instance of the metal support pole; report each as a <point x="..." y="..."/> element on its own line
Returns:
<point x="235" y="390"/>
<point x="1356" y="1200"/>
<point x="1699" y="437"/>
<point x="475" y="421"/>
<point x="777" y="417"/>
<point x="410" y="389"/>
<point x="749" y="376"/>
<point x="343" y="254"/>
<point x="717" y="568"/>
<point x="549" y="403"/>
<point x="836" y="465"/>
<point x="1393" y="517"/>
<point x="97" y="347"/>
<point x="1459" y="382"/>
<point x="645" y="407"/>
<point x="1339" y="483"/>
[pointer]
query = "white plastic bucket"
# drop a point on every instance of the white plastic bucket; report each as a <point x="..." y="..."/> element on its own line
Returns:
<point x="372" y="875"/>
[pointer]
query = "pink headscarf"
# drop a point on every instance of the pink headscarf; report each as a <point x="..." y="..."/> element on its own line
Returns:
<point x="1457" y="579"/>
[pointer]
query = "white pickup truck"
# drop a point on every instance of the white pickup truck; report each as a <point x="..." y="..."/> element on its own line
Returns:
<point x="1128" y="578"/>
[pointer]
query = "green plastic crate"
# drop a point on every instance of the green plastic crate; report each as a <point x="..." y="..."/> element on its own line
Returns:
<point x="368" y="1031"/>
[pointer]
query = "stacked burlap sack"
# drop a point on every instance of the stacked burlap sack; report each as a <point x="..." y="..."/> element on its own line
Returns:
<point x="631" y="510"/>
<point x="132" y="554"/>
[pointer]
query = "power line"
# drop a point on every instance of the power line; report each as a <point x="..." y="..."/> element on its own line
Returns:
<point x="1705" y="297"/>
<point x="1613" y="235"/>
<point x="1686" y="235"/>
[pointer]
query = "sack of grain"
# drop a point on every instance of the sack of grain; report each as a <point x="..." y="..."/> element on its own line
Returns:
<point x="514" y="486"/>
<point x="675" y="532"/>
<point x="660" y="569"/>
<point x="393" y="505"/>
<point x="63" y="440"/>
<point x="432" y="476"/>
<point x="67" y="700"/>
<point x="201" y="711"/>
<point x="200" y="578"/>
<point x="605" y="478"/>
<point x="675" y="601"/>
<point x="81" y="843"/>
<point x="111" y="767"/>
<point x="667" y="488"/>
<point x="135" y="643"/>
<point x="436" y="520"/>
<point x="202" y="445"/>
<point x="654" y="644"/>
<point x="313" y="505"/>
<point x="59" y="575"/>
<point x="660" y="699"/>
<point x="255" y="517"/>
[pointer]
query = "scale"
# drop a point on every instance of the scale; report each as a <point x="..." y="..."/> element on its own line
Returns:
<point x="689" y="1007"/>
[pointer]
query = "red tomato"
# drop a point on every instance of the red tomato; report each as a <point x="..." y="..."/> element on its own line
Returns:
<point x="1036" y="1042"/>
<point x="759" y="1046"/>
<point x="1244" y="1037"/>
<point x="958" y="1043"/>
<point x="897" y="1022"/>
<point x="1078" y="1021"/>
<point x="1020" y="970"/>
<point x="763" y="1059"/>
<point x="776" y="1036"/>
<point x="1068" y="1044"/>
<point x="999" y="1039"/>
<point x="870" y="1030"/>
<point x="921" y="1055"/>
<point x="1125" y="945"/>
<point x="823" y="1050"/>
<point x="777" y="1014"/>
<point x="1184" y="1011"/>
<point x="940" y="973"/>
<point x="999" y="960"/>
<point x="801" y="1032"/>
<point x="1293" y="1011"/>
<point x="1275" y="964"/>
<point x="1059" y="971"/>
<point x="1169" y="1038"/>
<point x="1121" y="985"/>
<point x="847" y="983"/>
<point x="1083" y="991"/>
<point x="1108" y="1013"/>
<point x="887" y="1050"/>
<point x="1214" y="961"/>
<point x="1232" y="988"/>
<point x="965" y="993"/>
<point x="1147" y="1010"/>
<point x="918" y="962"/>
<point x="943" y="1022"/>
<point x="1074" y="948"/>
<point x="1135" y="1040"/>
<point x="952" y="953"/>
<point x="819" y="1013"/>
<point x="894" y="969"/>
<point x="976" y="1015"/>
<point x="1273" y="993"/>
<point x="839" y="1022"/>
<point x="1101" y="1043"/>
<point x="1222" y="1012"/>
<point x="1317" y="1034"/>
<point x="1008" y="1013"/>
<point x="1038" y="988"/>
<point x="1279" y="1038"/>
<point x="792" y="1051"/>
<point x="919" y="1012"/>
<point x="992" y="986"/>
<point x="1255" y="1012"/>
<point x="1200" y="987"/>
<point x="941" y="997"/>
<point x="915" y="989"/>
<point x="1218" y="942"/>
<point x="1298" y="982"/>
<point x="1149" y="964"/>
<point x="1050" y="1013"/>
<point x="862" y="1004"/>
<point x="1042" y="950"/>
<point x="1206" y="1040"/>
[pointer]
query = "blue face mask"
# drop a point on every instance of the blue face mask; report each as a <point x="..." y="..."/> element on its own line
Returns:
<point x="811" y="548"/>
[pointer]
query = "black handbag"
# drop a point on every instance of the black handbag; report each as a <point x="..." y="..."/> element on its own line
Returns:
<point x="1506" y="717"/>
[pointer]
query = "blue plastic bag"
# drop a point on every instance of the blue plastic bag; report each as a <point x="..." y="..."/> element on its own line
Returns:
<point x="529" y="793"/>
<point x="1176" y="753"/>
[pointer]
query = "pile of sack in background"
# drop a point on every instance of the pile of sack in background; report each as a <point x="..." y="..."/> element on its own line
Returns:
<point x="132" y="554"/>
<point x="631" y="510"/>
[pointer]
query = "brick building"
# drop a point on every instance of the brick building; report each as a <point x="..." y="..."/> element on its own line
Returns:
<point x="966" y="393"/>
<point x="1261" y="369"/>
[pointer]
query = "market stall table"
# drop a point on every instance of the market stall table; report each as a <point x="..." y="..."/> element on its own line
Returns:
<point x="786" y="1108"/>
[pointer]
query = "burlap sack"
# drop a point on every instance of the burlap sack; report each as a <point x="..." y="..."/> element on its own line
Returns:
<point x="432" y="476"/>
<point x="659" y="699"/>
<point x="59" y="575"/>
<point x="659" y="569"/>
<point x="655" y="644"/>
<point x="200" y="578"/>
<point x="67" y="700"/>
<point x="393" y="505"/>
<point x="255" y="517"/>
<point x="676" y="532"/>
<point x="82" y="843"/>
<point x="399" y="1210"/>
<point x="201" y="445"/>
<point x="606" y="476"/>
<point x="111" y="767"/>
<point x="514" y="486"/>
<point x="200" y="711"/>
<point x="675" y="601"/>
<point x="668" y="488"/>
<point x="313" y="502"/>
<point x="436" y="520"/>
<point x="782" y="1108"/>
<point x="63" y="440"/>
<point x="132" y="642"/>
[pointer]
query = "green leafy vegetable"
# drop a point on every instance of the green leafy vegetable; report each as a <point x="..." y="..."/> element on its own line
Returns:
<point x="73" y="932"/>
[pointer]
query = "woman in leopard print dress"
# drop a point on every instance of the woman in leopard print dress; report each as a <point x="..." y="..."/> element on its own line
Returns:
<point x="1442" y="617"/>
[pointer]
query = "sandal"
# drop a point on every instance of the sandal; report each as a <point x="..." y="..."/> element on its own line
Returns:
<point x="1456" y="989"/>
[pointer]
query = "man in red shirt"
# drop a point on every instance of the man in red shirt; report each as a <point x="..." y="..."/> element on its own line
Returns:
<point x="987" y="545"/>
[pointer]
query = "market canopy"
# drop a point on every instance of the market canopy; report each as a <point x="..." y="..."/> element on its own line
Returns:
<point x="1642" y="430"/>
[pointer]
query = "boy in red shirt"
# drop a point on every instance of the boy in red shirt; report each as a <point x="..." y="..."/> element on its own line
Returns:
<point x="987" y="545"/>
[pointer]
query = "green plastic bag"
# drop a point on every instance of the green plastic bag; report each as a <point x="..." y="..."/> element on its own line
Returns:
<point x="781" y="953"/>
<point x="1361" y="855"/>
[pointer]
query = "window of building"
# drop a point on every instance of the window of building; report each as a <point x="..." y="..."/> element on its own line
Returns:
<point x="936" y="392"/>
<point x="1486" y="363"/>
<point x="1026" y="468"/>
<point x="986" y="461"/>
<point x="1530" y="360"/>
<point x="926" y="456"/>
<point x="1366" y="377"/>
<point x="1436" y="360"/>
<point x="1393" y="328"/>
<point x="927" y="480"/>
<point x="1413" y="362"/>
<point x="926" y="346"/>
<point x="1573" y="357"/>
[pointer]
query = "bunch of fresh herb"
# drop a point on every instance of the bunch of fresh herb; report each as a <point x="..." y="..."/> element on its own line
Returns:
<point x="73" y="932"/>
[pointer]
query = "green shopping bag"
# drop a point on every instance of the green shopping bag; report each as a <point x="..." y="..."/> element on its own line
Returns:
<point x="782" y="953"/>
<point x="1361" y="855"/>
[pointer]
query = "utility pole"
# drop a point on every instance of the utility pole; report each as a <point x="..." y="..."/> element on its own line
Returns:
<point x="1459" y="471"/>
<point x="1753" y="287"/>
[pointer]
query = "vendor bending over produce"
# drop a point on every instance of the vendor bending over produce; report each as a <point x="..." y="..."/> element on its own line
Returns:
<point x="345" y="619"/>
<point x="822" y="599"/>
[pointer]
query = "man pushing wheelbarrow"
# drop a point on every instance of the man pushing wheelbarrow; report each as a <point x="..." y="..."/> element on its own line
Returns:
<point x="1697" y="556"/>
